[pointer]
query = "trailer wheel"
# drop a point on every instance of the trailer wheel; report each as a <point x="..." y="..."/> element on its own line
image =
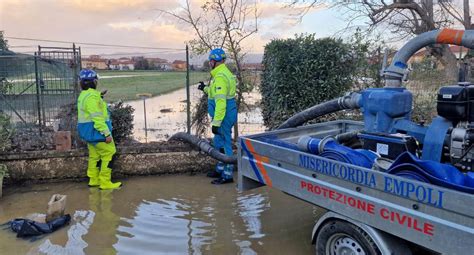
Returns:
<point x="342" y="238"/>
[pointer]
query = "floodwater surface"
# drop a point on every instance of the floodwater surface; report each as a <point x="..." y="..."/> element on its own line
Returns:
<point x="163" y="215"/>
<point x="166" y="115"/>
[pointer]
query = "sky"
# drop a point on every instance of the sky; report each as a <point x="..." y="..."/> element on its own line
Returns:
<point x="140" y="23"/>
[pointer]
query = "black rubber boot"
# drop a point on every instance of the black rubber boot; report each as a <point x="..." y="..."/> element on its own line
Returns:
<point x="213" y="174"/>
<point x="222" y="181"/>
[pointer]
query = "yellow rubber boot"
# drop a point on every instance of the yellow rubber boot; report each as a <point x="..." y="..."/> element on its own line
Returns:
<point x="93" y="166"/>
<point x="93" y="174"/>
<point x="105" y="177"/>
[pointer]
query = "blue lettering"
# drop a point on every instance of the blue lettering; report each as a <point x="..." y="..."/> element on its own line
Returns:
<point x="325" y="167"/>
<point x="351" y="175"/>
<point x="440" y="199"/>
<point x="343" y="172"/>
<point x="388" y="184"/>
<point x="372" y="182"/>
<point x="303" y="161"/>
<point x="410" y="189"/>
<point x="360" y="176"/>
<point x="420" y="193"/>
<point x="329" y="170"/>
<point x="398" y="187"/>
<point x="311" y="160"/>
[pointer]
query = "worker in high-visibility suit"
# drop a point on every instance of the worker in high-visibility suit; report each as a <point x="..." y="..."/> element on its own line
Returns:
<point x="223" y="111"/>
<point x="94" y="127"/>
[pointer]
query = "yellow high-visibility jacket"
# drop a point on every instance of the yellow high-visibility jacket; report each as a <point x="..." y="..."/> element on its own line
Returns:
<point x="93" y="117"/>
<point x="221" y="89"/>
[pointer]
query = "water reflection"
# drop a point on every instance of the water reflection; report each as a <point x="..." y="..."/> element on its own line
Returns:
<point x="250" y="207"/>
<point x="75" y="244"/>
<point x="164" y="215"/>
<point x="172" y="226"/>
<point x="105" y="224"/>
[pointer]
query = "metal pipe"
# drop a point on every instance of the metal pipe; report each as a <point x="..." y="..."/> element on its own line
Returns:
<point x="204" y="146"/>
<point x="394" y="73"/>
<point x="188" y="100"/>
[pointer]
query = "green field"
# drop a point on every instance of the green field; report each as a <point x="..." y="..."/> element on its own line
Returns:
<point x="121" y="86"/>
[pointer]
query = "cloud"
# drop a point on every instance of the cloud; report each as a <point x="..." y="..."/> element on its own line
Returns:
<point x="115" y="5"/>
<point x="144" y="26"/>
<point x="130" y="22"/>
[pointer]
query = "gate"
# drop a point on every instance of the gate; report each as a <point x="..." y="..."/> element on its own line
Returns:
<point x="35" y="88"/>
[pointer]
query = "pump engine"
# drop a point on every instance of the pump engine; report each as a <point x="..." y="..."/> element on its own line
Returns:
<point x="456" y="104"/>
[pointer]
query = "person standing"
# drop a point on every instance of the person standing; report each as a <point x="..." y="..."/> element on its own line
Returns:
<point x="223" y="110"/>
<point x="94" y="127"/>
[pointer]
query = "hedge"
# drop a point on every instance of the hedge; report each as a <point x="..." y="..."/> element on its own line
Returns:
<point x="301" y="72"/>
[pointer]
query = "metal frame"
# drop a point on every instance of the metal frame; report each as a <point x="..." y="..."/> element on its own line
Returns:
<point x="442" y="220"/>
<point x="41" y="85"/>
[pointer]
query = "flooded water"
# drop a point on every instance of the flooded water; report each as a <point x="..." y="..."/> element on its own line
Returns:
<point x="164" y="215"/>
<point x="166" y="115"/>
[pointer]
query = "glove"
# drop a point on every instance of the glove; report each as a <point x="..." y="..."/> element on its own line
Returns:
<point x="215" y="130"/>
<point x="201" y="86"/>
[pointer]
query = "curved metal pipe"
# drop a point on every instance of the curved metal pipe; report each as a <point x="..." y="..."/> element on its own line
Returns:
<point x="349" y="101"/>
<point x="204" y="146"/>
<point x="394" y="73"/>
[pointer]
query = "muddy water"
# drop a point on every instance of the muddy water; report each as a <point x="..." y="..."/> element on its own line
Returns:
<point x="164" y="215"/>
<point x="166" y="115"/>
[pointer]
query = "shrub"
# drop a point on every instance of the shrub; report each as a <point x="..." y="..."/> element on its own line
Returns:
<point x="6" y="132"/>
<point x="301" y="72"/>
<point x="122" y="121"/>
<point x="3" y="172"/>
<point x="120" y="114"/>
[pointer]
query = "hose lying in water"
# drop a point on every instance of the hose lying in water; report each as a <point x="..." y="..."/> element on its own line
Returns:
<point x="350" y="101"/>
<point x="204" y="146"/>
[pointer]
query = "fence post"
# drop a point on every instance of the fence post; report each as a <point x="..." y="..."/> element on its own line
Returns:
<point x="38" y="103"/>
<point x="188" y="100"/>
<point x="76" y="67"/>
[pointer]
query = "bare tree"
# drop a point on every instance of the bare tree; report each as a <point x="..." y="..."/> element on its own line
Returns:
<point x="221" y="23"/>
<point x="454" y="10"/>
<point x="406" y="18"/>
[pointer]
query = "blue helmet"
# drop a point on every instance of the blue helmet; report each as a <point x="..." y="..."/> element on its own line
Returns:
<point x="88" y="75"/>
<point x="217" y="54"/>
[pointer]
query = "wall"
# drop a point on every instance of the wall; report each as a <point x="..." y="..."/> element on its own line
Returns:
<point x="151" y="159"/>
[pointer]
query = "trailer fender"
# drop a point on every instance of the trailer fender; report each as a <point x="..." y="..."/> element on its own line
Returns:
<point x="387" y="244"/>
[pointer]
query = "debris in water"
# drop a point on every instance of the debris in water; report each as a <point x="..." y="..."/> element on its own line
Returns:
<point x="165" y="110"/>
<point x="38" y="224"/>
<point x="56" y="207"/>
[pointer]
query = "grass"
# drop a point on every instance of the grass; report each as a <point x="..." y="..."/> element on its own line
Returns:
<point x="153" y="82"/>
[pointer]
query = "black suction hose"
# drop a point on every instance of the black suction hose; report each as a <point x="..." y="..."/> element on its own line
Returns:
<point x="204" y="146"/>
<point x="349" y="101"/>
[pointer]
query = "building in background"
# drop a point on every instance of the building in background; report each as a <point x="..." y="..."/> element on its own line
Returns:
<point x="179" y="65"/>
<point x="159" y="64"/>
<point x="94" y="62"/>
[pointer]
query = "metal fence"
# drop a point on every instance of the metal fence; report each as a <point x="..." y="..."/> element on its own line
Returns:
<point x="38" y="91"/>
<point x="35" y="88"/>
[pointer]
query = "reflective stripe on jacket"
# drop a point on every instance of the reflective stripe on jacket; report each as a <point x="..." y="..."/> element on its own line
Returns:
<point x="221" y="89"/>
<point x="93" y="117"/>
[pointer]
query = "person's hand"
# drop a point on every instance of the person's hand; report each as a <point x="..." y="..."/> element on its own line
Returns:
<point x="215" y="130"/>
<point x="201" y="86"/>
<point x="108" y="139"/>
<point x="102" y="94"/>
